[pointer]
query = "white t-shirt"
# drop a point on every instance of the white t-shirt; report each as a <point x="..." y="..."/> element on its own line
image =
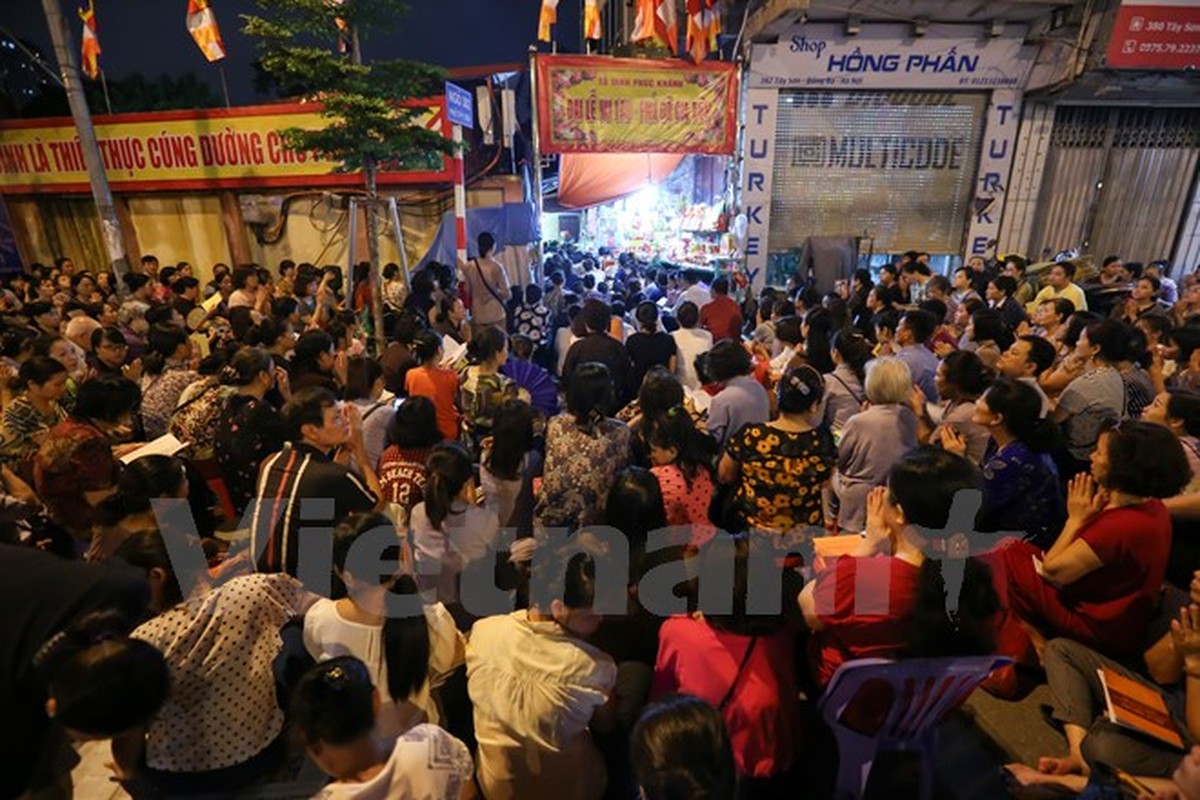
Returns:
<point x="328" y="635"/>
<point x="690" y="342"/>
<point x="468" y="535"/>
<point x="779" y="363"/>
<point x="563" y="339"/>
<point x="426" y="764"/>
<point x="698" y="294"/>
<point x="535" y="690"/>
<point x="242" y="297"/>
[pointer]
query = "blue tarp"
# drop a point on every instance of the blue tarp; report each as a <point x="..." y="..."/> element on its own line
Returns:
<point x="511" y="224"/>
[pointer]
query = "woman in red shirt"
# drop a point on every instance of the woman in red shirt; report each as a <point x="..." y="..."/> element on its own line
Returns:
<point x="888" y="598"/>
<point x="435" y="382"/>
<point x="1100" y="582"/>
<point x="743" y="665"/>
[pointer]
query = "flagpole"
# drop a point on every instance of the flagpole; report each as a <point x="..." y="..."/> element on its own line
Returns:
<point x="224" y="85"/>
<point x="104" y="85"/>
<point x="110" y="226"/>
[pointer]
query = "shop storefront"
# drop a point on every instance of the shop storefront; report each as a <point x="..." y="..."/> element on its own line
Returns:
<point x="678" y="216"/>
<point x="645" y="153"/>
<point x="1108" y="162"/>
<point x="902" y="142"/>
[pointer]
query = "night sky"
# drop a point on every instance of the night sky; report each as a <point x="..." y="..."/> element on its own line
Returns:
<point x="150" y="36"/>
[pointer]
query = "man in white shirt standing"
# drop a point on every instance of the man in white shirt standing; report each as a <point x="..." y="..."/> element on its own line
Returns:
<point x="690" y="341"/>
<point x="693" y="291"/>
<point x="489" y="285"/>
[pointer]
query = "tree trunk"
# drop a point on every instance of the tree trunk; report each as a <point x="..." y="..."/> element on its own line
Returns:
<point x="369" y="170"/>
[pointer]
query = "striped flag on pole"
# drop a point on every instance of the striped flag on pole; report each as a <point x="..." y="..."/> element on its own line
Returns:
<point x="548" y="17"/>
<point x="202" y="25"/>
<point x="656" y="21"/>
<point x="703" y="27"/>
<point x="592" y="27"/>
<point x="89" y="49"/>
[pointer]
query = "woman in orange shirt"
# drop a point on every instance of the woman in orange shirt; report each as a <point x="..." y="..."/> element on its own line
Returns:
<point x="430" y="380"/>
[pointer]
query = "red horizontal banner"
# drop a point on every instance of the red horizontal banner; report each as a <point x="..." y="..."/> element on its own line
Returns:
<point x="591" y="104"/>
<point x="1156" y="36"/>
<point x="238" y="148"/>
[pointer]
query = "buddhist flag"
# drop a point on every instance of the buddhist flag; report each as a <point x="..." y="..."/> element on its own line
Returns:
<point x="703" y="27"/>
<point x="656" y="21"/>
<point x="592" y="26"/>
<point x="89" y="50"/>
<point x="343" y="28"/>
<point x="548" y="17"/>
<point x="202" y="25"/>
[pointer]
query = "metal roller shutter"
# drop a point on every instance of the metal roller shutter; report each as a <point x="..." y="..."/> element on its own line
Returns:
<point x="898" y="166"/>
<point x="1117" y="180"/>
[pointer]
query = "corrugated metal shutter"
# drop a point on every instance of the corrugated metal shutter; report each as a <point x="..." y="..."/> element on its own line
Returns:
<point x="898" y="166"/>
<point x="1148" y="179"/>
<point x="1074" y="167"/>
<point x="1118" y="180"/>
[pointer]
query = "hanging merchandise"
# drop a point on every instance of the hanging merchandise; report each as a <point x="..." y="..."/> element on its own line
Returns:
<point x="654" y="224"/>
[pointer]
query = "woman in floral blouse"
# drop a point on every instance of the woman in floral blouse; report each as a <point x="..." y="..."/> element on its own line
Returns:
<point x="36" y="410"/>
<point x="584" y="452"/>
<point x="75" y="468"/>
<point x="781" y="466"/>
<point x="481" y="387"/>
<point x="169" y="371"/>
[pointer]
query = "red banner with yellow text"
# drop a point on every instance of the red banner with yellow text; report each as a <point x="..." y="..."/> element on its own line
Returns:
<point x="592" y="104"/>
<point x="239" y="148"/>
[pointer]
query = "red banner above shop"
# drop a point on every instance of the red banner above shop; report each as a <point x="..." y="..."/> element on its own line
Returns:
<point x="592" y="104"/>
<point x="1155" y="34"/>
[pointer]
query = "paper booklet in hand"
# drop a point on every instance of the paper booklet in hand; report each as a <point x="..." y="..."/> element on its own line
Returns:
<point x="165" y="445"/>
<point x="1134" y="705"/>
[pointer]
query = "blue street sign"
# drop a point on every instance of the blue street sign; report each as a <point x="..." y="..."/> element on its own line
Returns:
<point x="460" y="106"/>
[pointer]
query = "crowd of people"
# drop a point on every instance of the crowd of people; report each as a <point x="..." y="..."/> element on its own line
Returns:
<point x="208" y="607"/>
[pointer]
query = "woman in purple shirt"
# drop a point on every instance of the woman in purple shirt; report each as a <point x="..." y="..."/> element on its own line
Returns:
<point x="742" y="400"/>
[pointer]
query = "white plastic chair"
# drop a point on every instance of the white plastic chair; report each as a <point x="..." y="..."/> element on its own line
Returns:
<point x="913" y="698"/>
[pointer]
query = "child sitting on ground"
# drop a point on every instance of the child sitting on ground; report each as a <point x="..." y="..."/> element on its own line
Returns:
<point x="334" y="710"/>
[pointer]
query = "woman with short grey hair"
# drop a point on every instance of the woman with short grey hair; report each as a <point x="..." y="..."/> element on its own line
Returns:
<point x="874" y="439"/>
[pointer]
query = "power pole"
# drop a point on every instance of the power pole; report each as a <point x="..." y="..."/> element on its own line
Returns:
<point x="72" y="80"/>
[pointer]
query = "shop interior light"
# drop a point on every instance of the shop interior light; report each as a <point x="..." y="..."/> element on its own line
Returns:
<point x="644" y="200"/>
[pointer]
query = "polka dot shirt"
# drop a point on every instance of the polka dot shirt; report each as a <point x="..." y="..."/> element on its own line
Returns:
<point x="219" y="648"/>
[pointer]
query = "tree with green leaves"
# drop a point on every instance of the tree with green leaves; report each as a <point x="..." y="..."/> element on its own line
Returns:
<point x="313" y="48"/>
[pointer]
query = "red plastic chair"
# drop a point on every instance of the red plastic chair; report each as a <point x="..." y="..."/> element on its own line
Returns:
<point x="875" y="705"/>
